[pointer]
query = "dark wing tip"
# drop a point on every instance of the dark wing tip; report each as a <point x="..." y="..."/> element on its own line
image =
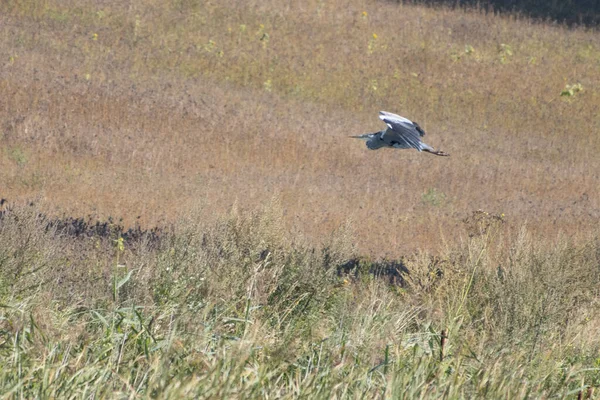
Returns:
<point x="419" y="129"/>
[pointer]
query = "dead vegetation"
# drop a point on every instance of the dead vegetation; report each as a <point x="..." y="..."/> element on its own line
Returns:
<point x="156" y="108"/>
<point x="240" y="309"/>
<point x="290" y="261"/>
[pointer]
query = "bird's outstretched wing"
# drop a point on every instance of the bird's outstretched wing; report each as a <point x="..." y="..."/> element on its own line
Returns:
<point x="391" y="118"/>
<point x="402" y="131"/>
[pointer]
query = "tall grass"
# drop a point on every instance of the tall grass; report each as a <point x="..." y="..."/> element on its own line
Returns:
<point x="237" y="309"/>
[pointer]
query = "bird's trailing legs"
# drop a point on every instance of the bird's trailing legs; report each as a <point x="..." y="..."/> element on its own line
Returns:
<point x="437" y="152"/>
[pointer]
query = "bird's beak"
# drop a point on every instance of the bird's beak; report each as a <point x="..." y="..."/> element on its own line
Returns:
<point x="362" y="137"/>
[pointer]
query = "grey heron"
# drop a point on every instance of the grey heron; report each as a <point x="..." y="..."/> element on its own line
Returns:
<point x="401" y="133"/>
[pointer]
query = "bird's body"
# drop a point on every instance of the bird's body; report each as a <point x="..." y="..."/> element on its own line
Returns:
<point x="400" y="133"/>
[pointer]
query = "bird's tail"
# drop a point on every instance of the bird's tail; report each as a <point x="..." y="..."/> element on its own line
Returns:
<point x="437" y="152"/>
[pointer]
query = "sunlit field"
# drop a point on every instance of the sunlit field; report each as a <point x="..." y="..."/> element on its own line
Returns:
<point x="155" y="108"/>
<point x="288" y="260"/>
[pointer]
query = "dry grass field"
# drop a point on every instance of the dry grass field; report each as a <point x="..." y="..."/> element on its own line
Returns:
<point x="291" y="261"/>
<point x="148" y="110"/>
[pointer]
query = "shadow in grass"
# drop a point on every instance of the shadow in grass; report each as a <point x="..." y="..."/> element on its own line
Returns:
<point x="570" y="12"/>
<point x="391" y="270"/>
<point x="92" y="227"/>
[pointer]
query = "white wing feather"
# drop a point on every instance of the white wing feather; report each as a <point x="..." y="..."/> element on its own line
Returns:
<point x="390" y="119"/>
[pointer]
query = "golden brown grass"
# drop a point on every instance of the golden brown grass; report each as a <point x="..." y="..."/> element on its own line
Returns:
<point x="155" y="108"/>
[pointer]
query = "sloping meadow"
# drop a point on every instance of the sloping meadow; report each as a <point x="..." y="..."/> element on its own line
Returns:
<point x="239" y="309"/>
<point x="143" y="111"/>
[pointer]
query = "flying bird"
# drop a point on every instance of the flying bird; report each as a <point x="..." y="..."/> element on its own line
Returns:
<point x="401" y="133"/>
